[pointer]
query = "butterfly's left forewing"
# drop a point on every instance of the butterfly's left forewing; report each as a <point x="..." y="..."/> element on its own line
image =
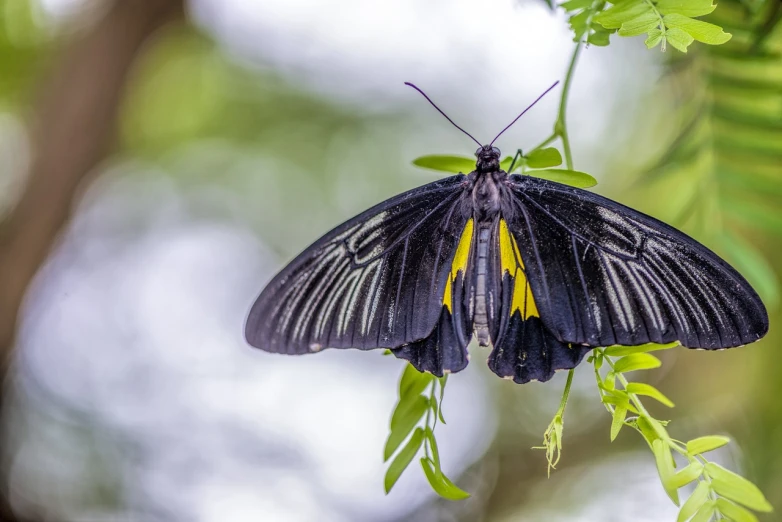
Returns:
<point x="384" y="279"/>
<point x="605" y="274"/>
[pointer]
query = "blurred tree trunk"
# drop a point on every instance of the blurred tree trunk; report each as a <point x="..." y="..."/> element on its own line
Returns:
<point x="74" y="128"/>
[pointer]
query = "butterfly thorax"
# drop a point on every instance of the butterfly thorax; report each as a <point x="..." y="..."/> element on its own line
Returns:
<point x="486" y="180"/>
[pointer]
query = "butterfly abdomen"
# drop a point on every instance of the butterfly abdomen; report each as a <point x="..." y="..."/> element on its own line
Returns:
<point x="481" y="317"/>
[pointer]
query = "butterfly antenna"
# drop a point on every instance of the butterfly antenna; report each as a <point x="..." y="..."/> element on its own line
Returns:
<point x="441" y="112"/>
<point x="522" y="113"/>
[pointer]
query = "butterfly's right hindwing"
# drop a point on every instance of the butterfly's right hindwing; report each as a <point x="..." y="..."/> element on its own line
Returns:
<point x="377" y="281"/>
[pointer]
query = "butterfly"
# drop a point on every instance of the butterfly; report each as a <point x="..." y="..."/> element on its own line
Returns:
<point x="539" y="271"/>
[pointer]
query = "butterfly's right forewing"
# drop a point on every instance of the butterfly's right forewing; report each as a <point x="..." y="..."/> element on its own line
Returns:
<point x="377" y="281"/>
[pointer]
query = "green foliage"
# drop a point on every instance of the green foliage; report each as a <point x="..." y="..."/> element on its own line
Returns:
<point x="542" y="158"/>
<point x="412" y="408"/>
<point x="552" y="437"/>
<point x="719" y="492"/>
<point x="581" y="19"/>
<point x="537" y="158"/>
<point x="449" y="163"/>
<point x="663" y="21"/>
<point x="724" y="160"/>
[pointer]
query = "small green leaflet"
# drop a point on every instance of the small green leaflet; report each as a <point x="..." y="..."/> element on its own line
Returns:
<point x="736" y="488"/>
<point x="698" y="497"/>
<point x="734" y="511"/>
<point x="704" y="444"/>
<point x="691" y="472"/>
<point x="441" y="484"/>
<point x="405" y="424"/>
<point x="636" y="361"/>
<point x="639" y="388"/>
<point x="573" y="178"/>
<point x="446" y="163"/>
<point x="620" y="412"/>
<point x="403" y="460"/>
<point x="664" y="460"/>
<point x="618" y="350"/>
<point x="581" y="20"/>
<point x="542" y="158"/>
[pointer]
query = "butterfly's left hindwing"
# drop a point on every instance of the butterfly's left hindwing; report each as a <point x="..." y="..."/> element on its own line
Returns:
<point x="384" y="279"/>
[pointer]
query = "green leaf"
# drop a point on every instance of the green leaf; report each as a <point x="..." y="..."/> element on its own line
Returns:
<point x="735" y="512"/>
<point x="702" y="31"/>
<point x="704" y="444"/>
<point x="403" y="460"/>
<point x="542" y="158"/>
<point x="620" y="412"/>
<point x="636" y="361"/>
<point x="622" y="12"/>
<point x="441" y="484"/>
<point x="642" y="24"/>
<point x="413" y="382"/>
<point x="446" y="163"/>
<point x="640" y="388"/>
<point x="429" y="435"/>
<point x="689" y="473"/>
<point x="654" y="38"/>
<point x="619" y="400"/>
<point x="568" y="177"/>
<point x="443" y="380"/>
<point x="705" y="512"/>
<point x="406" y="405"/>
<point x="578" y="23"/>
<point x="698" y="497"/>
<point x="609" y="383"/>
<point x="664" y="461"/>
<point x="599" y="38"/>
<point x="678" y="38"/>
<point x="404" y="426"/>
<point x="686" y="7"/>
<point x="736" y="488"/>
<point x="647" y="430"/>
<point x="575" y="5"/>
<point x="617" y="350"/>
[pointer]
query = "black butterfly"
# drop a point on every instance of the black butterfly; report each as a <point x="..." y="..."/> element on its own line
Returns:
<point x="541" y="271"/>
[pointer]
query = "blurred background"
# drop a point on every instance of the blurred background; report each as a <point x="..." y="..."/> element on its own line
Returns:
<point x="160" y="161"/>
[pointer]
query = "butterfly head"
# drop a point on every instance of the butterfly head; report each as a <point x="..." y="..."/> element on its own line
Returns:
<point x="488" y="159"/>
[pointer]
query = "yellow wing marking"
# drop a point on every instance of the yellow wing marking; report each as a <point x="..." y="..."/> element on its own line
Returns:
<point x="459" y="263"/>
<point x="510" y="262"/>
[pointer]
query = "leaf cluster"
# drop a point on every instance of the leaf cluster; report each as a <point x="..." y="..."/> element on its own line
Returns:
<point x="536" y="163"/>
<point x="725" y="161"/>
<point x="663" y="21"/>
<point x="413" y="420"/>
<point x="719" y="493"/>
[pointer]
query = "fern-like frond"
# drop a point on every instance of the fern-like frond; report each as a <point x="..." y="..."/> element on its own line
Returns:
<point x="723" y="170"/>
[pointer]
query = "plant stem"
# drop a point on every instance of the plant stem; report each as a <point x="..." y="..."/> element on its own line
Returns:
<point x="560" y="127"/>
<point x="429" y="416"/>
<point x="565" y="394"/>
